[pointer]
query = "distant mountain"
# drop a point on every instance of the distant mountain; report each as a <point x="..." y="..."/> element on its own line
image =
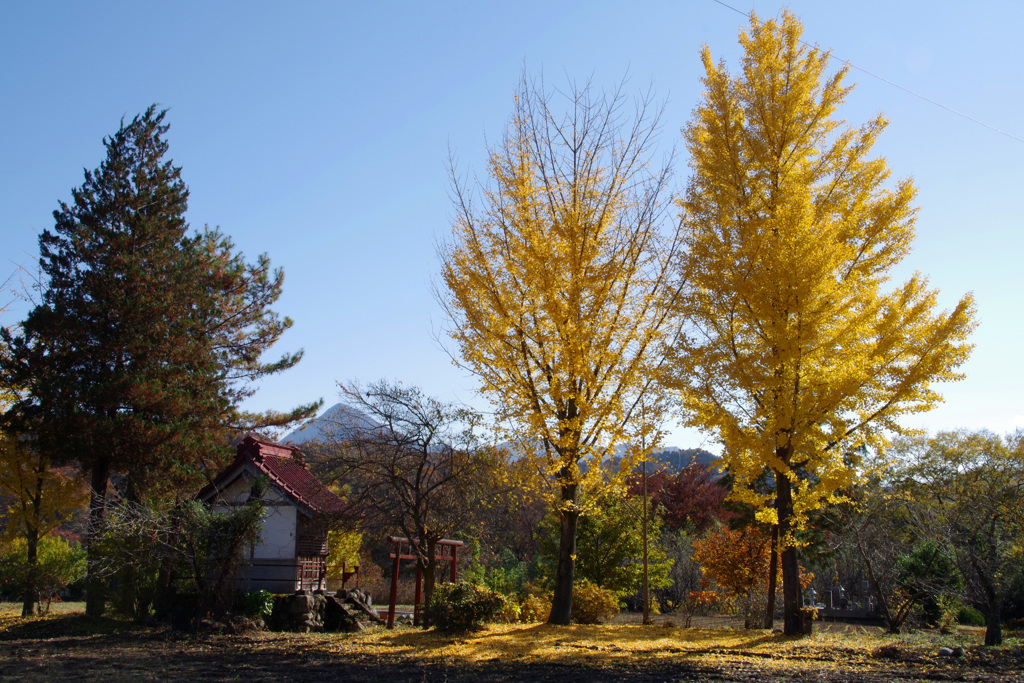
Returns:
<point x="337" y="423"/>
<point x="671" y="459"/>
<point x="341" y="423"/>
<point x="675" y="459"/>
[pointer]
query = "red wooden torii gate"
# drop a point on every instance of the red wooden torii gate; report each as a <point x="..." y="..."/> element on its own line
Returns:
<point x="449" y="552"/>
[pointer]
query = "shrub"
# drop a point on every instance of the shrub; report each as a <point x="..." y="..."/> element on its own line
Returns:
<point x="58" y="565"/>
<point x="609" y="549"/>
<point x="128" y="553"/>
<point x="968" y="616"/>
<point x="509" y="576"/>
<point x="258" y="604"/>
<point x="463" y="606"/>
<point x="509" y="613"/>
<point x="697" y="603"/>
<point x="534" y="608"/>
<point x="948" y="606"/>
<point x="592" y="604"/>
<point x="635" y="603"/>
<point x="132" y="590"/>
<point x="203" y="548"/>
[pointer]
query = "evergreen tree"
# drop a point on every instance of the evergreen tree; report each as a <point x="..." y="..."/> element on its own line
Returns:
<point x="140" y="350"/>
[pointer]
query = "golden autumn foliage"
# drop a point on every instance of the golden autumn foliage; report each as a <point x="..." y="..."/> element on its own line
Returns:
<point x="555" y="290"/>
<point x="37" y="499"/>
<point x="552" y="285"/>
<point x="798" y="353"/>
<point x="40" y="498"/>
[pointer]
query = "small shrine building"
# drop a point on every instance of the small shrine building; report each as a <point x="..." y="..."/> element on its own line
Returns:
<point x="292" y="552"/>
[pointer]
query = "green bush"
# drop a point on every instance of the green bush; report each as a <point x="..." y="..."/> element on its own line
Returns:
<point x="592" y="604"/>
<point x="258" y="604"/>
<point x="463" y="606"/>
<point x="58" y="565"/>
<point x="609" y="550"/>
<point x="203" y="550"/>
<point x="968" y="616"/>
<point x="509" y="577"/>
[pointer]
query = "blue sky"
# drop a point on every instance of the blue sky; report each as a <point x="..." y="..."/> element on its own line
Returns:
<point x="319" y="133"/>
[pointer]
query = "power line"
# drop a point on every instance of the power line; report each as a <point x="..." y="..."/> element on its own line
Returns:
<point x="895" y="85"/>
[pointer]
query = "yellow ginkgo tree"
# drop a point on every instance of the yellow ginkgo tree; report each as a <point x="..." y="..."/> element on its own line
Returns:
<point x="556" y="285"/>
<point x="798" y="352"/>
<point x="38" y="498"/>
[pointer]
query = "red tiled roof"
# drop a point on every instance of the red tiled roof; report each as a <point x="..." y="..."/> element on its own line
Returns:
<point x="285" y="466"/>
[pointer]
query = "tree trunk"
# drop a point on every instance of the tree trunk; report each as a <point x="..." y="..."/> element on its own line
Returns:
<point x="164" y="600"/>
<point x="993" y="611"/>
<point x="792" y="619"/>
<point x="568" y="514"/>
<point x="95" y="600"/>
<point x="993" y="627"/>
<point x="773" y="575"/>
<point x="986" y="579"/>
<point x="429" y="579"/>
<point x="31" y="597"/>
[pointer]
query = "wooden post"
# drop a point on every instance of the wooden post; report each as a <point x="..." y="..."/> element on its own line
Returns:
<point x="399" y="555"/>
<point x="394" y="587"/>
<point x="646" y="589"/>
<point x="419" y="595"/>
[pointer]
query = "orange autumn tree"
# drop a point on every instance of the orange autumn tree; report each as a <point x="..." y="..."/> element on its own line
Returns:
<point x="556" y="288"/>
<point x="799" y="354"/>
<point x="738" y="561"/>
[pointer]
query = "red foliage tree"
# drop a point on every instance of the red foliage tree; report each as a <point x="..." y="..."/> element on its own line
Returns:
<point x="689" y="497"/>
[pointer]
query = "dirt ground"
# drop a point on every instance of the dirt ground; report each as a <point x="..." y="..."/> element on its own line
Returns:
<point x="69" y="647"/>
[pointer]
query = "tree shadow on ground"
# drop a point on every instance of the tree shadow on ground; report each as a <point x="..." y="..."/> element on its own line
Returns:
<point x="65" y="625"/>
<point x="110" y="650"/>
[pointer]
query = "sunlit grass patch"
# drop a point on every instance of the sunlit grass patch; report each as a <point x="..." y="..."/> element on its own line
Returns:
<point x="628" y="647"/>
<point x="14" y="608"/>
<point x="10" y="613"/>
<point x="611" y="645"/>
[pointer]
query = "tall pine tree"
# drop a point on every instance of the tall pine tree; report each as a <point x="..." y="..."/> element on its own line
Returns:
<point x="142" y="347"/>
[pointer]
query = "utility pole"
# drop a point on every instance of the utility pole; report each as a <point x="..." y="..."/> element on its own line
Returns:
<point x="646" y="592"/>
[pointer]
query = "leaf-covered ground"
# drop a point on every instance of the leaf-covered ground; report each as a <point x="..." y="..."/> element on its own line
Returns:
<point x="72" y="648"/>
